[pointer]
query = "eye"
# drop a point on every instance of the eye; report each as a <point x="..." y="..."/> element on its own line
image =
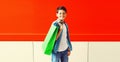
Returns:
<point x="63" y="13"/>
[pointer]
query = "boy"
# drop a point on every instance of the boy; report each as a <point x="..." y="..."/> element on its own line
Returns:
<point x="62" y="47"/>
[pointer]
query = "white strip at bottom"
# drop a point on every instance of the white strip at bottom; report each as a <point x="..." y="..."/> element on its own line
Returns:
<point x="82" y="52"/>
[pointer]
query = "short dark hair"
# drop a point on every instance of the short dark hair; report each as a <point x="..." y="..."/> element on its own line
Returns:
<point x="61" y="8"/>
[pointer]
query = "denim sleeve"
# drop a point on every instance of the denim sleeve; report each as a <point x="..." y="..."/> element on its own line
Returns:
<point x="56" y="24"/>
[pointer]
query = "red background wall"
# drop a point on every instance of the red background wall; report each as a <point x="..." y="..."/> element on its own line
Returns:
<point x="87" y="20"/>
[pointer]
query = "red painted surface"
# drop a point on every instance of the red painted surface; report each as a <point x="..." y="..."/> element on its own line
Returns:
<point x="87" y="20"/>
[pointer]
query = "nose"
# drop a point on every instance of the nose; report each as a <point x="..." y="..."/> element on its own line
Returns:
<point x="62" y="14"/>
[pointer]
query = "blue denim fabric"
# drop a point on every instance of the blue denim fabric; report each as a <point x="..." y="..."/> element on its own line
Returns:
<point x="56" y="46"/>
<point x="60" y="56"/>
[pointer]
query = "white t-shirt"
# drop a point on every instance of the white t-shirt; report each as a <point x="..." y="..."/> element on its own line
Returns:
<point x="63" y="43"/>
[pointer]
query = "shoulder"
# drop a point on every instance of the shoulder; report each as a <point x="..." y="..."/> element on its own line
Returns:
<point x="66" y="24"/>
<point x="55" y="23"/>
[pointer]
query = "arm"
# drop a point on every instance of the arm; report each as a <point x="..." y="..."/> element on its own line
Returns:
<point x="61" y="27"/>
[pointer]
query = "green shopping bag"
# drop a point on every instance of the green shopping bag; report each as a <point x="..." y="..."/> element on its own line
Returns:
<point x="49" y="41"/>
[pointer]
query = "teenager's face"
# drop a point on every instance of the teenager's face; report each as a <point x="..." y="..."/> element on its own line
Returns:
<point x="61" y="14"/>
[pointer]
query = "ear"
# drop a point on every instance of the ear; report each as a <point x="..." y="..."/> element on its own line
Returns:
<point x="56" y="14"/>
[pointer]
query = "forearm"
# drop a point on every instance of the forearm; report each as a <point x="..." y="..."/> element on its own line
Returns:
<point x="59" y="32"/>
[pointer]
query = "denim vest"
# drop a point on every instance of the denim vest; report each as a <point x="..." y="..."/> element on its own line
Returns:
<point x="57" y="42"/>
